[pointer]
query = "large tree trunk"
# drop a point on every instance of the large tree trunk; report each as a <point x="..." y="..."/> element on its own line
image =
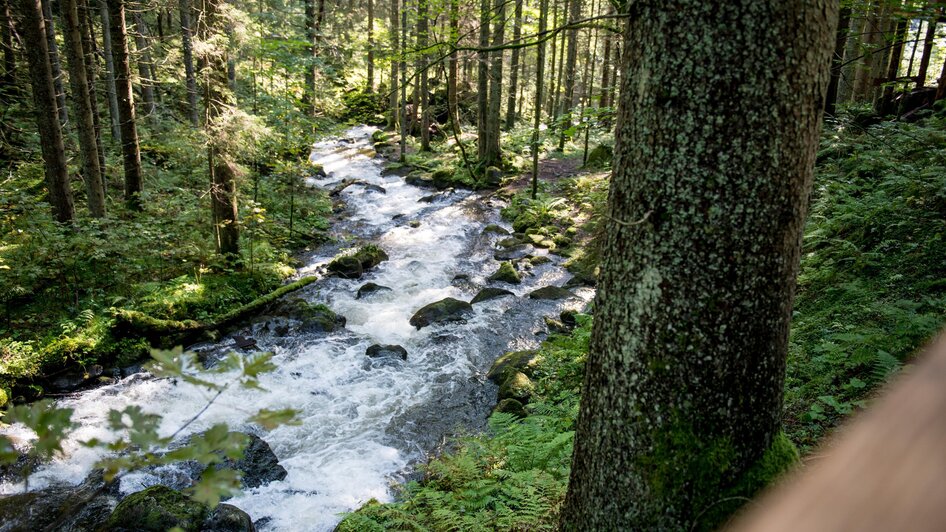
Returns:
<point x="9" y="54"/>
<point x="482" y="84"/>
<point x="310" y="17"/>
<point x="539" y="85"/>
<point x="369" y="83"/>
<point x="393" y="36"/>
<point x="33" y="30"/>
<point x="849" y="65"/>
<point x="874" y="31"/>
<point x="550" y="102"/>
<point x="514" y="69"/>
<point x="190" y="76"/>
<point x="424" y="92"/>
<point x="131" y="153"/>
<point x="82" y="110"/>
<point x="493" y="154"/>
<point x="145" y="74"/>
<point x="840" y="43"/>
<point x="54" y="63"/>
<point x="927" y="53"/>
<point x="606" y="70"/>
<point x="90" y="54"/>
<point x="568" y="102"/>
<point x="402" y="67"/>
<point x="713" y="167"/>
<point x="110" y="85"/>
<point x="883" y="102"/>
<point x="452" y="70"/>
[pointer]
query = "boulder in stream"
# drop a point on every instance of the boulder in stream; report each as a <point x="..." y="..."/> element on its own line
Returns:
<point x="517" y="386"/>
<point x="490" y="293"/>
<point x="514" y="252"/>
<point x="551" y="293"/>
<point x="386" y="351"/>
<point x="369" y="289"/>
<point x="160" y="508"/>
<point x="443" y="311"/>
<point x="506" y="273"/>
<point x="347" y="267"/>
<point x="496" y="229"/>
<point x="77" y="508"/>
<point x="352" y="265"/>
<point x="511" y="363"/>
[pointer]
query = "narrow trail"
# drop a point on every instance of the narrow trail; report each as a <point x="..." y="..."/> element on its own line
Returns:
<point x="364" y="422"/>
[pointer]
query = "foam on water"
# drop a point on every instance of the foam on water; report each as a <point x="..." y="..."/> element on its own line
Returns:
<point x="362" y="425"/>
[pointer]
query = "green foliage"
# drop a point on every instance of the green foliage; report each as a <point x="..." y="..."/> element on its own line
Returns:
<point x="364" y="108"/>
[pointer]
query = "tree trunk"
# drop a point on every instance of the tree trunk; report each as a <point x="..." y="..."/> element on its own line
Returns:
<point x="941" y="86"/>
<point x="131" y="153"/>
<point x="539" y="85"/>
<point x="145" y="77"/>
<point x="713" y="166"/>
<point x="395" y="47"/>
<point x="369" y="84"/>
<point x="840" y="43"/>
<point x="568" y="102"/>
<point x="402" y="66"/>
<point x="91" y="54"/>
<point x="33" y="30"/>
<point x="9" y="54"/>
<point x="54" y="63"/>
<point x="883" y="103"/>
<point x="493" y="154"/>
<point x="605" y="71"/>
<point x="482" y="84"/>
<point x="514" y="69"/>
<point x="310" y="17"/>
<point x="873" y="30"/>
<point x="452" y="70"/>
<point x="110" y="85"/>
<point x="190" y="76"/>
<point x="223" y="174"/>
<point x="82" y="110"/>
<point x="422" y="29"/>
<point x="556" y="104"/>
<point x="851" y="52"/>
<point x="550" y="103"/>
<point x="927" y="53"/>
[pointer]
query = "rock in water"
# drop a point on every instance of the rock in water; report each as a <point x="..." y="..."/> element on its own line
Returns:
<point x="443" y="311"/>
<point x="228" y="518"/>
<point x="506" y="273"/>
<point x="259" y="464"/>
<point x="490" y="293"/>
<point x="76" y="508"/>
<point x="513" y="252"/>
<point x="368" y="289"/>
<point x="493" y="228"/>
<point x="386" y="351"/>
<point x="550" y="292"/>
<point x="159" y="508"/>
<point x="347" y="267"/>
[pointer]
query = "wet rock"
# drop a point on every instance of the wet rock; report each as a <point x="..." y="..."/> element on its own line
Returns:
<point x="442" y="179"/>
<point x="157" y="509"/>
<point x="569" y="317"/>
<point x="73" y="381"/>
<point x="414" y="224"/>
<point x="490" y="293"/>
<point x="550" y="293"/>
<point x="511" y="406"/>
<point x="386" y="351"/>
<point x="227" y="518"/>
<point x="517" y="386"/>
<point x="512" y="362"/>
<point x="509" y="242"/>
<point x="579" y="280"/>
<point x="399" y="171"/>
<point x="493" y="177"/>
<point x="314" y="317"/>
<point x="74" y="508"/>
<point x="539" y="260"/>
<point x="318" y="170"/>
<point x="378" y="135"/>
<point x="420" y="179"/>
<point x="443" y="311"/>
<point x="347" y="267"/>
<point x="495" y="229"/>
<point x="506" y="273"/>
<point x="368" y="289"/>
<point x="514" y="252"/>
<point x="259" y="464"/>
<point x="375" y="188"/>
<point x="555" y="326"/>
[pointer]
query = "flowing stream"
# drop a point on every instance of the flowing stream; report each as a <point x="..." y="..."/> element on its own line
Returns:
<point x="362" y="424"/>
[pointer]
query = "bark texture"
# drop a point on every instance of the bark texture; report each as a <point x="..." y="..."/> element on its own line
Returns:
<point x="713" y="165"/>
<point x="514" y="68"/>
<point x="190" y="76"/>
<point x="110" y="85"/>
<point x="54" y="63"/>
<point x="32" y="28"/>
<point x="131" y="152"/>
<point x="492" y="155"/>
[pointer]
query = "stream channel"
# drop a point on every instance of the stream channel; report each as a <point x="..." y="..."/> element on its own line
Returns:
<point x="363" y="423"/>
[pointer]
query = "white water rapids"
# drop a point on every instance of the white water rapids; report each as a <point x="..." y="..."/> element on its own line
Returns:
<point x="362" y="425"/>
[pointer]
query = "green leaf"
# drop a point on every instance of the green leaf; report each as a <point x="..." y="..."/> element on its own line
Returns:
<point x="270" y="419"/>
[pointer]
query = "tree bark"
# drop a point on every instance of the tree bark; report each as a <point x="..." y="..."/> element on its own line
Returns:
<point x="927" y="52"/>
<point x="110" y="85"/>
<point x="493" y="154"/>
<point x="33" y="30"/>
<point x="606" y="70"/>
<point x="369" y="84"/>
<point x="840" y="43"/>
<point x="131" y="153"/>
<point x="190" y="75"/>
<point x="310" y="20"/>
<point x="883" y="103"/>
<point x="54" y="62"/>
<point x="452" y="70"/>
<point x="713" y="166"/>
<point x="539" y="85"/>
<point x="568" y="102"/>
<point x="550" y="103"/>
<point x="514" y="69"/>
<point x="395" y="51"/>
<point x="424" y="92"/>
<point x="482" y="84"/>
<point x="9" y="54"/>
<point x="850" y="63"/>
<point x="82" y="110"/>
<point x="145" y="67"/>
<point x="91" y="59"/>
<point x="402" y="66"/>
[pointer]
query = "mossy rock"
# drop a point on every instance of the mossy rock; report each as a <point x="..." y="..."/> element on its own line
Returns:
<point x="506" y="273"/>
<point x="511" y="406"/>
<point x="378" y="135"/>
<point x="513" y="362"/>
<point x="157" y="509"/>
<point x="517" y="386"/>
<point x="561" y="240"/>
<point x="319" y="318"/>
<point x="538" y="260"/>
<point x="368" y="289"/>
<point x="493" y="177"/>
<point x="442" y="178"/>
<point x="524" y="222"/>
<point x="318" y="170"/>
<point x="346" y="266"/>
<point x="443" y="311"/>
<point x="507" y="243"/>
<point x="490" y="293"/>
<point x="550" y="293"/>
<point x="600" y="156"/>
<point x="370" y="256"/>
<point x="420" y="179"/>
<point x="555" y="325"/>
<point x="496" y="229"/>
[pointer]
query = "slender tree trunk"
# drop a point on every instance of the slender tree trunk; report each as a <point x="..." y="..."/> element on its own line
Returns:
<point x="110" y="85"/>
<point x="82" y="110"/>
<point x="310" y="16"/>
<point x="493" y="155"/>
<point x="131" y="153"/>
<point x="190" y="75"/>
<point x="568" y="103"/>
<point x="91" y="55"/>
<point x="514" y="69"/>
<point x="557" y="103"/>
<point x="539" y="85"/>
<point x="422" y="29"/>
<point x="850" y="63"/>
<point x="713" y="167"/>
<point x="54" y="62"/>
<point x="883" y="103"/>
<point x="9" y="54"/>
<point x="369" y="85"/>
<point x="873" y="40"/>
<point x="452" y="64"/>
<point x="482" y="84"/>
<point x="927" y="53"/>
<point x="840" y="43"/>
<point x="402" y="66"/>
<point x="223" y="174"/>
<point x="941" y="85"/>
<point x="605" y="71"/>
<point x="395" y="52"/>
<point x="145" y="79"/>
<point x="33" y="30"/>
<point x="550" y="104"/>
